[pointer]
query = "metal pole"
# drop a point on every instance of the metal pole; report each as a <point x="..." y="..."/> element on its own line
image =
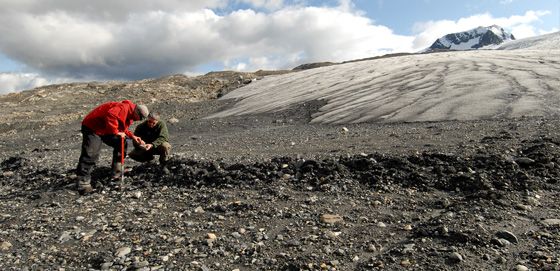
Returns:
<point x="122" y="162"/>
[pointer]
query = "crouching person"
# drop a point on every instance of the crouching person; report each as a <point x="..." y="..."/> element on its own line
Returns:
<point x="153" y="132"/>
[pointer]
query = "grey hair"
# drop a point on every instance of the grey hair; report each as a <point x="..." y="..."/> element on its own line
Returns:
<point x="153" y="115"/>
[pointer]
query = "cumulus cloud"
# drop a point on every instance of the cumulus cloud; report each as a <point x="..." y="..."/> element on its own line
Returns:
<point x="519" y="25"/>
<point x="174" y="38"/>
<point x="129" y="40"/>
<point x="12" y="82"/>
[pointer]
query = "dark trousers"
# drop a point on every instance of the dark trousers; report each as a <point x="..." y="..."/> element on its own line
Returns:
<point x="142" y="155"/>
<point x="91" y="147"/>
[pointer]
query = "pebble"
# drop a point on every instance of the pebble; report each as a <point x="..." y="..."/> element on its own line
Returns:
<point x="520" y="267"/>
<point x="5" y="245"/>
<point x="66" y="236"/>
<point x="524" y="161"/>
<point x="330" y="219"/>
<point x="551" y="222"/>
<point x="137" y="194"/>
<point x="106" y="266"/>
<point x="141" y="264"/>
<point x="405" y="262"/>
<point x="456" y="257"/>
<point x="199" y="210"/>
<point x="508" y="236"/>
<point x="211" y="236"/>
<point x="123" y="251"/>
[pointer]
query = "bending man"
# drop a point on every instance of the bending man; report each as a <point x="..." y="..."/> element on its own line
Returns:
<point x="107" y="123"/>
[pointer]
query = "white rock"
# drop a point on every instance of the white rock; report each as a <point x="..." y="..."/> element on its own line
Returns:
<point x="5" y="245"/>
<point x="551" y="222"/>
<point x="123" y="251"/>
<point x="199" y="210"/>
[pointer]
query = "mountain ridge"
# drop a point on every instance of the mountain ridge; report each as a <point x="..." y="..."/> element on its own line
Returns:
<point x="472" y="39"/>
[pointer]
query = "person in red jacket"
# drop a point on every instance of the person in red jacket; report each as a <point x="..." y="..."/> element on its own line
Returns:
<point x="107" y="123"/>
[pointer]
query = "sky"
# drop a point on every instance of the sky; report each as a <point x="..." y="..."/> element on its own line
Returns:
<point x="56" y="41"/>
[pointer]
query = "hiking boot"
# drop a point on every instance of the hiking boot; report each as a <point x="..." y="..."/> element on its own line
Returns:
<point x="83" y="185"/>
<point x="116" y="170"/>
<point x="165" y="170"/>
<point x="86" y="189"/>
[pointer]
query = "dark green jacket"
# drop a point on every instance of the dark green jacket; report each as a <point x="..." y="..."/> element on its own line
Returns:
<point x="155" y="136"/>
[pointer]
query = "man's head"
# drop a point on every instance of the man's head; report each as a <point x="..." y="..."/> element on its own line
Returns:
<point x="153" y="119"/>
<point x="141" y="111"/>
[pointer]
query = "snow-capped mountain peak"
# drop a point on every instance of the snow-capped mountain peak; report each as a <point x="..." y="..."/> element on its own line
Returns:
<point x="473" y="39"/>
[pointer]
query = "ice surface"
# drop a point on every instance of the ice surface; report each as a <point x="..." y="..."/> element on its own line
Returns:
<point x="464" y="85"/>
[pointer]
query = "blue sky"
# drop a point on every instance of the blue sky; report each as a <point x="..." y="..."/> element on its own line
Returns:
<point x="401" y="15"/>
<point x="55" y="41"/>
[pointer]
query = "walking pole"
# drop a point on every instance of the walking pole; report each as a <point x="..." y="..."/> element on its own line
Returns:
<point x="122" y="162"/>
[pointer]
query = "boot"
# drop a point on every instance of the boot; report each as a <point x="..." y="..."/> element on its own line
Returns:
<point x="83" y="185"/>
<point x="163" y="165"/>
<point x="116" y="171"/>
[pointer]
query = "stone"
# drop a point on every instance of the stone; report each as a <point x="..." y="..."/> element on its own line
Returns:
<point x="123" y="251"/>
<point x="330" y="219"/>
<point x="508" y="236"/>
<point x="211" y="236"/>
<point x="141" y="264"/>
<point x="106" y="266"/>
<point x="456" y="257"/>
<point x="199" y="210"/>
<point x="5" y="245"/>
<point x="551" y="222"/>
<point x="137" y="194"/>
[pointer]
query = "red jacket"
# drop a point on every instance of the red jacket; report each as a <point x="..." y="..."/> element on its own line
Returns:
<point x="111" y="118"/>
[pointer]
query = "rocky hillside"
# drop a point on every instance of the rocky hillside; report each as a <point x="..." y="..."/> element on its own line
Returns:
<point x="62" y="104"/>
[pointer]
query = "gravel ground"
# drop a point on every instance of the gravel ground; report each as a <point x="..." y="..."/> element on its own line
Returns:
<point x="272" y="192"/>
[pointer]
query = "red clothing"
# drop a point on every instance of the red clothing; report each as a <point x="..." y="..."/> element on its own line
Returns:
<point x="111" y="118"/>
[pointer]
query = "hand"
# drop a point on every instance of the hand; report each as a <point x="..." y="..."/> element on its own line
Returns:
<point x="148" y="146"/>
<point x="138" y="140"/>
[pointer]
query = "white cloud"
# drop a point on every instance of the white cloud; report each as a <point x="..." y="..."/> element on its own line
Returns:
<point x="13" y="82"/>
<point x="109" y="39"/>
<point x="520" y="26"/>
<point x="64" y="42"/>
